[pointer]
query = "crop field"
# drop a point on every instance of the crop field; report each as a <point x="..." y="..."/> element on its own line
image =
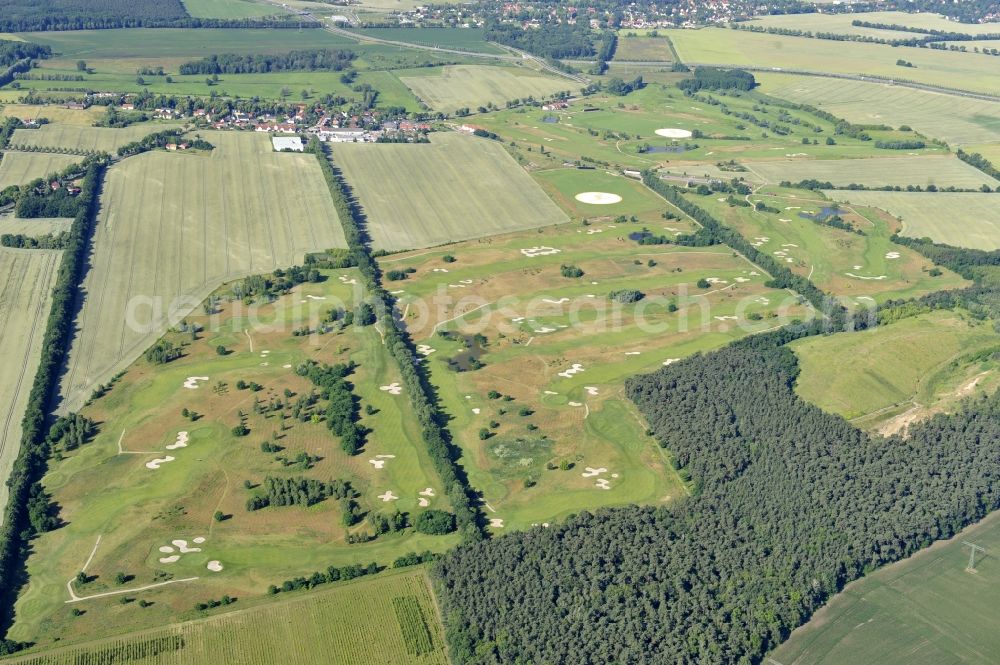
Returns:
<point x="355" y="622"/>
<point x="84" y="117"/>
<point x="142" y="484"/>
<point x="957" y="120"/>
<point x="926" y="610"/>
<point x="960" y="219"/>
<point x="72" y="137"/>
<point x="20" y="168"/>
<point x="173" y="227"/>
<point x="469" y="86"/>
<point x="901" y="371"/>
<point x="230" y="8"/>
<point x="862" y="268"/>
<point x="465" y="39"/>
<point x="923" y="171"/>
<point x="840" y="24"/>
<point x="643" y="49"/>
<point x="711" y="46"/>
<point x="560" y="437"/>
<point x="33" y="227"/>
<point x="455" y="188"/>
<point x="26" y="281"/>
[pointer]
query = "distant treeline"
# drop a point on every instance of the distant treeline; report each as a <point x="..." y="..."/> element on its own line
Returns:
<point x="11" y="52"/>
<point x="711" y="78"/>
<point x="549" y="40"/>
<point x="305" y="60"/>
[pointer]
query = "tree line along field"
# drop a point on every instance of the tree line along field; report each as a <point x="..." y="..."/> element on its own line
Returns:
<point x="104" y="139"/>
<point x="959" y="219"/>
<point x="719" y="46"/>
<point x="925" y="610"/>
<point x="26" y="281"/>
<point x="133" y="491"/>
<point x="841" y="23"/>
<point x="862" y="268"/>
<point x="957" y="120"/>
<point x="470" y="86"/>
<point x="20" y="168"/>
<point x="387" y="619"/>
<point x="916" y="366"/>
<point x="940" y="171"/>
<point x="175" y="225"/>
<point x="455" y="188"/>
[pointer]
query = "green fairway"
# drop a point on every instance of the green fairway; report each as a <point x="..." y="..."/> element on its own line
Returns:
<point x="239" y="211"/>
<point x="470" y="86"/>
<point x="915" y="366"/>
<point x="902" y="171"/>
<point x="20" y="168"/>
<point x="926" y="610"/>
<point x="456" y="188"/>
<point x="960" y="219"/>
<point x="104" y="139"/>
<point x="957" y="120"/>
<point x="565" y="184"/>
<point x="230" y="8"/>
<point x="26" y="281"/>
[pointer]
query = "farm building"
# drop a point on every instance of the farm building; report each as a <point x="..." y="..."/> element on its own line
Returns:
<point x="293" y="143"/>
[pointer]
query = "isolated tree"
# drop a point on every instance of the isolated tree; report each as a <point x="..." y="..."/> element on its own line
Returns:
<point x="81" y="65"/>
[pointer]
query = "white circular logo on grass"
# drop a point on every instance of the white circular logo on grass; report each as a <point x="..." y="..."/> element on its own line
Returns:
<point x="673" y="133"/>
<point x="598" y="198"/>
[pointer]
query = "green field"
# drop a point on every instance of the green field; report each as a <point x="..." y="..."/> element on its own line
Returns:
<point x="456" y="188"/>
<point x="242" y="210"/>
<point x="957" y="120"/>
<point x="902" y="171"/>
<point x="913" y="367"/>
<point x="925" y="610"/>
<point x="711" y="46"/>
<point x="564" y="184"/>
<point x="26" y="281"/>
<point x="20" y="168"/>
<point x="33" y="227"/>
<point x="463" y="39"/>
<point x="230" y="8"/>
<point x="643" y="49"/>
<point x="840" y="24"/>
<point x="390" y="619"/>
<point x="54" y="136"/>
<point x="960" y="219"/>
<point x="470" y="86"/>
<point x="83" y="117"/>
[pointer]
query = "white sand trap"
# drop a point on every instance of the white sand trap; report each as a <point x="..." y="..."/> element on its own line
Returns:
<point x="388" y="496"/>
<point x="754" y="273"/>
<point x="166" y="549"/>
<point x="670" y="361"/>
<point x="544" y="329"/>
<point x="517" y="319"/>
<point x="182" y="441"/>
<point x="396" y="293"/>
<point x="590" y="472"/>
<point x="532" y="252"/>
<point x="673" y="133"/>
<point x="591" y="390"/>
<point x="343" y="278"/>
<point x="198" y="541"/>
<point x="782" y="219"/>
<point x="425" y="350"/>
<point x="598" y="198"/>
<point x="793" y="208"/>
<point x="555" y="302"/>
<point x="789" y="244"/>
<point x="422" y="502"/>
<point x="614" y="475"/>
<point x="892" y="255"/>
<point x="377" y="463"/>
<point x="575" y="404"/>
<point x="593" y="283"/>
<point x="465" y="281"/>
<point x="182" y="546"/>
<point x="440" y="270"/>
<point x="551" y="392"/>
<point x="742" y="279"/>
<point x="716" y="280"/>
<point x="603" y="483"/>
<point x="577" y="367"/>
<point x="865" y="298"/>
<point x="286" y="366"/>
<point x="385" y="456"/>
<point x="857" y="267"/>
<point x="496" y="522"/>
<point x="591" y="295"/>
<point x="214" y="566"/>
<point x="393" y="388"/>
<point x="456" y="286"/>
<point x="316" y="297"/>
<point x="170" y="559"/>
<point x="192" y="381"/>
<point x="727" y="318"/>
<point x="155" y="464"/>
<point x="763" y="300"/>
<point x="427" y="492"/>
<point x="476" y="410"/>
<point x="591" y="232"/>
<point x="632" y="353"/>
<point x="879" y="277"/>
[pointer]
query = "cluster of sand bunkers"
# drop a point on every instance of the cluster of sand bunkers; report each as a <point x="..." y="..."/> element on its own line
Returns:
<point x="600" y="483"/>
<point x="177" y="548"/>
<point x="424" y="496"/>
<point x="180" y="442"/>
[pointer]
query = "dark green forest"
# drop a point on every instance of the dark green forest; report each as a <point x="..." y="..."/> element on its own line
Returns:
<point x="306" y="60"/>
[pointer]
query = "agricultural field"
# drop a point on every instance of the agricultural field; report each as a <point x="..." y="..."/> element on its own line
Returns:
<point x="529" y="361"/>
<point x="33" y="227"/>
<point x="902" y="171"/>
<point x="960" y="219"/>
<point x="956" y="120"/>
<point x="456" y="188"/>
<point x="840" y="24"/>
<point x="712" y="46"/>
<point x="470" y="86"/>
<point x="26" y="281"/>
<point x="643" y="49"/>
<point x="926" y="610"/>
<point x="20" y="168"/>
<point x="901" y="372"/>
<point x="861" y="268"/>
<point x="55" y="137"/>
<point x="230" y="8"/>
<point x="241" y="210"/>
<point x="63" y="116"/>
<point x="163" y="496"/>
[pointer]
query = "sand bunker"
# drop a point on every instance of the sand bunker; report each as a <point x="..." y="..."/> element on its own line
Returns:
<point x="727" y="318"/>
<point x="742" y="279"/>
<point x="577" y="367"/>
<point x="166" y="549"/>
<point x="388" y="496"/>
<point x="591" y="232"/>
<point x="214" y="566"/>
<point x="880" y="277"/>
<point x="670" y="361"/>
<point x="551" y="392"/>
<point x="198" y="541"/>
<point x="603" y="483"/>
<point x="532" y="252"/>
<point x="155" y="464"/>
<point x="892" y="255"/>
<point x="343" y="278"/>
<point x="673" y="133"/>
<point x="425" y="350"/>
<point x="170" y="559"/>
<point x="555" y="302"/>
<point x="182" y="441"/>
<point x="422" y="502"/>
<point x="590" y="472"/>
<point x="182" y="546"/>
<point x="575" y="404"/>
<point x="476" y="410"/>
<point x="598" y="198"/>
<point x="377" y="463"/>
<point x="465" y="281"/>
<point x="456" y="286"/>
<point x="716" y="280"/>
<point x="192" y="381"/>
<point x="496" y="522"/>
<point x="591" y="390"/>
<point x="427" y="492"/>
<point x="633" y="353"/>
<point x="393" y="388"/>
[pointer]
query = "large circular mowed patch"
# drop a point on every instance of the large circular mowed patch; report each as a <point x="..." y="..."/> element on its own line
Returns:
<point x="598" y="198"/>
<point x="673" y="133"/>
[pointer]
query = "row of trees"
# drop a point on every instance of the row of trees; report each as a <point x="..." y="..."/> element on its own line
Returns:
<point x="44" y="15"/>
<point x="305" y="60"/>
<point x="713" y="78"/>
<point x="549" y="40"/>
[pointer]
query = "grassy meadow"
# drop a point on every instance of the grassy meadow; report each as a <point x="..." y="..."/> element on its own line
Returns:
<point x="26" y="281"/>
<point x="57" y="136"/>
<point x="875" y="172"/>
<point x="470" y="86"/>
<point x="83" y="117"/>
<point x="241" y="210"/>
<point x="455" y="188"/>
<point x="112" y="489"/>
<point x="20" y="168"/>
<point x="230" y="8"/>
<point x="389" y="619"/>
